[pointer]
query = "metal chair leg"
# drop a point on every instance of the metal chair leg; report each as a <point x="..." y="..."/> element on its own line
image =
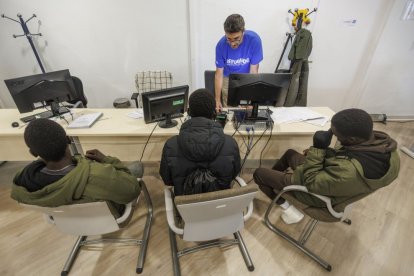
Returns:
<point x="174" y="254"/>
<point x="145" y="236"/>
<point x="72" y="256"/>
<point x="294" y="242"/>
<point x="244" y="252"/>
<point x="308" y="231"/>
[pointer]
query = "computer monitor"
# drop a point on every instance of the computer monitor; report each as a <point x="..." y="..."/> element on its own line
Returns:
<point x="162" y="105"/>
<point x="258" y="89"/>
<point x="42" y="90"/>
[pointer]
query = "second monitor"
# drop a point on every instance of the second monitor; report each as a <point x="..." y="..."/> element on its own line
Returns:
<point x="162" y="105"/>
<point x="258" y="89"/>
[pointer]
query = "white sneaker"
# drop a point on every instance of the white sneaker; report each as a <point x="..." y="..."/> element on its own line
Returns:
<point x="291" y="215"/>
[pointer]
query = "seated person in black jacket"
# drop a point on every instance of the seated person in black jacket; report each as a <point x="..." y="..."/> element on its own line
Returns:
<point x="201" y="144"/>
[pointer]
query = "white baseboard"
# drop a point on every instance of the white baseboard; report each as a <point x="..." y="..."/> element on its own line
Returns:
<point x="408" y="151"/>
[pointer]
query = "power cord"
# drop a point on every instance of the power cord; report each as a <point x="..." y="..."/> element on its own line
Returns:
<point x="149" y="137"/>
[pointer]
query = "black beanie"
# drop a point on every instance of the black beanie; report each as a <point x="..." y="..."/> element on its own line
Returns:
<point x="202" y="104"/>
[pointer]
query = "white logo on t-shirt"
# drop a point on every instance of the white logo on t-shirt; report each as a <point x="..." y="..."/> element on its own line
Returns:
<point x="237" y="62"/>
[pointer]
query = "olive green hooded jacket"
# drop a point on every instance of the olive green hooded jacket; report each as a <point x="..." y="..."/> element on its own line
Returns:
<point x="331" y="172"/>
<point x="89" y="181"/>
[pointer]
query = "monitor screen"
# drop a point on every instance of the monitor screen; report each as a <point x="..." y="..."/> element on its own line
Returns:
<point x="36" y="91"/>
<point x="162" y="105"/>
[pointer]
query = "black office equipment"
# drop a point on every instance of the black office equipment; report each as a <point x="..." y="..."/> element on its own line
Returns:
<point x="266" y="89"/>
<point x="162" y="105"/>
<point x="42" y="90"/>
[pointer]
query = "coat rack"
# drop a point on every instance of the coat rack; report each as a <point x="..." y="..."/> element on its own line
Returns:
<point x="28" y="35"/>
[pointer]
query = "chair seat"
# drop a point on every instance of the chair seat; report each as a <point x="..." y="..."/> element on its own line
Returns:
<point x="320" y="214"/>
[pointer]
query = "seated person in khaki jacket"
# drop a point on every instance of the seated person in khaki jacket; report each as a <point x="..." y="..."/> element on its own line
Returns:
<point x="365" y="161"/>
<point x="58" y="178"/>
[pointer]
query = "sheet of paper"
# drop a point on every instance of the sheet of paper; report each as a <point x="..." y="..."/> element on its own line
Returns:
<point x="136" y="114"/>
<point x="282" y="115"/>
<point x="318" y="122"/>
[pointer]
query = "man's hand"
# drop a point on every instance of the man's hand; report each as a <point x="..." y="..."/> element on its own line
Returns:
<point x="95" y="155"/>
<point x="219" y="107"/>
<point x="322" y="139"/>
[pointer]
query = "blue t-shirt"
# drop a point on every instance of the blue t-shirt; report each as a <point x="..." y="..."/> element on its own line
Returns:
<point x="238" y="60"/>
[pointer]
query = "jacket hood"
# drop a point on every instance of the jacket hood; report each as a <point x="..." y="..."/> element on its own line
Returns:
<point x="201" y="139"/>
<point x="380" y="142"/>
<point x="64" y="191"/>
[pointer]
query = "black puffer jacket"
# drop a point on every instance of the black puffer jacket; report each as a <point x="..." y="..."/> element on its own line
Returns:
<point x="201" y="143"/>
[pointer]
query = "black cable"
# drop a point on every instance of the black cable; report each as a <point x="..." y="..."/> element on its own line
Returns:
<point x="142" y="155"/>
<point x="248" y="152"/>
<point x="261" y="153"/>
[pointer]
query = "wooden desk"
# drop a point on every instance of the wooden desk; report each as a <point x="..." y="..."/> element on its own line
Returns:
<point x="118" y="135"/>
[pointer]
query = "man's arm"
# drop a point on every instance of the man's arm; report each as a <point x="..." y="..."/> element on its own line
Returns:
<point x="218" y="85"/>
<point x="329" y="180"/>
<point x="98" y="156"/>
<point x="254" y="69"/>
<point x="106" y="182"/>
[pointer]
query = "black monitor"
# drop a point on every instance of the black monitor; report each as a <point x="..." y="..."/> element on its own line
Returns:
<point x="258" y="89"/>
<point x="42" y="90"/>
<point x="162" y="105"/>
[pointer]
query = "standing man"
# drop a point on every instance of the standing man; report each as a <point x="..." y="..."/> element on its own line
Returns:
<point x="238" y="51"/>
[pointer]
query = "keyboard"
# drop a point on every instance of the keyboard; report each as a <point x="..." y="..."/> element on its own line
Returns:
<point x="46" y="114"/>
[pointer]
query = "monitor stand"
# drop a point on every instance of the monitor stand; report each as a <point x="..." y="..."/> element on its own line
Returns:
<point x="168" y="123"/>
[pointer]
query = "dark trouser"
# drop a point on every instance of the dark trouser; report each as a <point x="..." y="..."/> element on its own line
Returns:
<point x="276" y="178"/>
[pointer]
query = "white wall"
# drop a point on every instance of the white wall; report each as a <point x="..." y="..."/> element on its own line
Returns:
<point x="103" y="42"/>
<point x="389" y="83"/>
<point x="368" y="64"/>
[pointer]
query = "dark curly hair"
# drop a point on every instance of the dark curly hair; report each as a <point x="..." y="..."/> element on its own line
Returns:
<point x="202" y="104"/>
<point x="46" y="139"/>
<point x="234" y="23"/>
<point x="353" y="122"/>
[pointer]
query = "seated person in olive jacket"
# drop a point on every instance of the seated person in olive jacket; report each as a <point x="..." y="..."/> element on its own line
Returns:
<point x="201" y="144"/>
<point x="365" y="161"/>
<point x="58" y="178"/>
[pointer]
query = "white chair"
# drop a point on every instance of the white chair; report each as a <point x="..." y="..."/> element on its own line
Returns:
<point x="146" y="81"/>
<point x="96" y="218"/>
<point x="207" y="217"/>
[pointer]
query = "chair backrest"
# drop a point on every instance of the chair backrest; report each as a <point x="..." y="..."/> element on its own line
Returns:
<point x="209" y="76"/>
<point x="84" y="219"/>
<point x="79" y="91"/>
<point x="146" y="81"/>
<point x="152" y="80"/>
<point x="214" y="215"/>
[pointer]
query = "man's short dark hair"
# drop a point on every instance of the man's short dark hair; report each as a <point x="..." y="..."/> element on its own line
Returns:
<point x="353" y="122"/>
<point x="46" y="139"/>
<point x="202" y="104"/>
<point x="234" y="23"/>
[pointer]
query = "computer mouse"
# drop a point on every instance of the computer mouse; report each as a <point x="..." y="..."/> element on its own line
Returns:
<point x="15" y="124"/>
